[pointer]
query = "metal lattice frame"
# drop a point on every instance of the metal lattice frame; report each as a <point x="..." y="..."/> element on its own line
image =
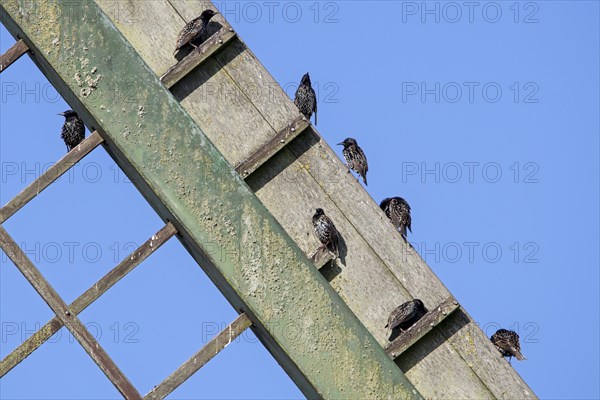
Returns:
<point x="66" y="315"/>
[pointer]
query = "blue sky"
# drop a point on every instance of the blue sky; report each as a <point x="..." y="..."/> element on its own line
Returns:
<point x="485" y="119"/>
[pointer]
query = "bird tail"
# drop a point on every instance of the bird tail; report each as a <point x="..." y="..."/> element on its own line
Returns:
<point x="518" y="355"/>
<point x="365" y="179"/>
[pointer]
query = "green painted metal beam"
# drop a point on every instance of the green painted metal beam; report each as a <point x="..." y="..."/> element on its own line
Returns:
<point x="295" y="313"/>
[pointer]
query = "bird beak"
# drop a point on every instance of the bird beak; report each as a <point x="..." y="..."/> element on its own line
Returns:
<point x="63" y="114"/>
<point x="340" y="144"/>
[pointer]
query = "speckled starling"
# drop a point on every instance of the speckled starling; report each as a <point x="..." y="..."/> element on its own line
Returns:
<point x="306" y="99"/>
<point x="355" y="158"/>
<point x="326" y="231"/>
<point x="398" y="211"/>
<point x="73" y="131"/>
<point x="507" y="343"/>
<point x="405" y="316"/>
<point x="193" y="31"/>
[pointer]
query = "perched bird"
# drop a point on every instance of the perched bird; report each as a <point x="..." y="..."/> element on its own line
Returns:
<point x="306" y="99"/>
<point x="405" y="316"/>
<point x="355" y="158"/>
<point x="326" y="231"/>
<point x="73" y="131"/>
<point x="192" y="32"/>
<point x="398" y="211"/>
<point x="507" y="342"/>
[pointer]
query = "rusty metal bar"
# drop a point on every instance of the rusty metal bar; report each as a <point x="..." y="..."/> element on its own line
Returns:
<point x="53" y="173"/>
<point x="421" y="327"/>
<point x="68" y="318"/>
<point x="13" y="54"/>
<point x="268" y="150"/>
<point x="87" y="298"/>
<point x="198" y="360"/>
<point x="197" y="56"/>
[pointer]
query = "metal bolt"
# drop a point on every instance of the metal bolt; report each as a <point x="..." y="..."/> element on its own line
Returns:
<point x="220" y="41"/>
<point x="68" y="312"/>
<point x="293" y="129"/>
<point x="431" y="324"/>
<point x="455" y="302"/>
<point x="282" y="141"/>
<point x="444" y="312"/>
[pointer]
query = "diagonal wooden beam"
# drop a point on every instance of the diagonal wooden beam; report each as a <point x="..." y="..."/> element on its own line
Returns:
<point x="13" y="54"/>
<point x="68" y="318"/>
<point x="198" y="360"/>
<point x="167" y="155"/>
<point x="53" y="173"/>
<point x="87" y="298"/>
<point x="422" y="327"/>
<point x="197" y="56"/>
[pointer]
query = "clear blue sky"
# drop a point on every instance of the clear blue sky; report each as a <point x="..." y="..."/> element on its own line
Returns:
<point x="485" y="119"/>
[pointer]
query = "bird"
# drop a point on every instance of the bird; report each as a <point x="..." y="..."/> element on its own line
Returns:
<point x="355" y="158"/>
<point x="398" y="211"/>
<point x="326" y="231"/>
<point x="507" y="343"/>
<point x="404" y="316"/>
<point x="73" y="130"/>
<point x="192" y="31"/>
<point x="306" y="99"/>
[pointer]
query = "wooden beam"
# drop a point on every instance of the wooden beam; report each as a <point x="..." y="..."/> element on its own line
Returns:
<point x="269" y="149"/>
<point x="66" y="317"/>
<point x="198" y="360"/>
<point x="187" y="180"/>
<point x="379" y="271"/>
<point x="421" y="327"/>
<point x="13" y="54"/>
<point x="198" y="56"/>
<point x="52" y="174"/>
<point x="87" y="298"/>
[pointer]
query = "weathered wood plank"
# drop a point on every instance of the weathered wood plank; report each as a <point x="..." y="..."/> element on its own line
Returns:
<point x="423" y="326"/>
<point x="13" y="54"/>
<point x="212" y="97"/>
<point x="88" y="297"/>
<point x="68" y="319"/>
<point x="268" y="150"/>
<point x="215" y="43"/>
<point x="380" y="270"/>
<point x="52" y="174"/>
<point x="151" y="28"/>
<point x="198" y="360"/>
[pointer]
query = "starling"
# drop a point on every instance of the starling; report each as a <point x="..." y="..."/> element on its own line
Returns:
<point x="306" y="99"/>
<point x="405" y="316"/>
<point x="73" y="131"/>
<point x="507" y="342"/>
<point x="192" y="32"/>
<point x="355" y="158"/>
<point x="398" y="211"/>
<point x="326" y="231"/>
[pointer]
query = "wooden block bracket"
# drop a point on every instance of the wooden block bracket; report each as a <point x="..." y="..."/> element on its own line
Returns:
<point x="271" y="147"/>
<point x="197" y="56"/>
<point x="421" y="328"/>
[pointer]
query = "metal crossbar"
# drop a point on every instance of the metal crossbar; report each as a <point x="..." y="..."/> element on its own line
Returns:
<point x="13" y="54"/>
<point x="87" y="298"/>
<point x="66" y="317"/>
<point x="198" y="360"/>
<point x="53" y="173"/>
